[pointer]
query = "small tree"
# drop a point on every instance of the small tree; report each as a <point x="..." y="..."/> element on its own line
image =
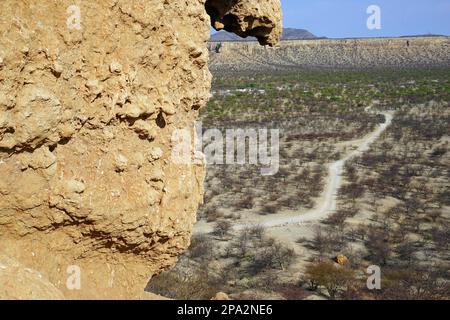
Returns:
<point x="406" y="252"/>
<point x="246" y="203"/>
<point x="377" y="243"/>
<point x="320" y="242"/>
<point x="242" y="244"/>
<point x="334" y="279"/>
<point x="274" y="255"/>
<point x="352" y="191"/>
<point x="441" y="238"/>
<point x="282" y="256"/>
<point x="337" y="218"/>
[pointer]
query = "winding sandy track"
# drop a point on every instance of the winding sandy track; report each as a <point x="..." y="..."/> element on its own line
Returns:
<point x="334" y="182"/>
<point x="328" y="204"/>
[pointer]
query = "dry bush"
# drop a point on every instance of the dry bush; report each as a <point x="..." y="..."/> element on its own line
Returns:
<point x="351" y="192"/>
<point x="274" y="255"/>
<point x="415" y="283"/>
<point x="269" y="209"/>
<point x="326" y="274"/>
<point x="441" y="237"/>
<point x="337" y="218"/>
<point x="214" y="214"/>
<point x="291" y="291"/>
<point x="254" y="254"/>
<point x="327" y="241"/>
<point x="378" y="245"/>
<point x="258" y="231"/>
<point x="222" y="228"/>
<point x="247" y="202"/>
<point x="240" y="247"/>
<point x="179" y="286"/>
<point x="406" y="252"/>
<point x="201" y="247"/>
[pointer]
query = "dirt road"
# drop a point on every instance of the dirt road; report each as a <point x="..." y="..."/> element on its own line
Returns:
<point x="328" y="202"/>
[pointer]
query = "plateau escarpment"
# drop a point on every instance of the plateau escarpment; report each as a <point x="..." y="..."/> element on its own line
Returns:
<point x="289" y="55"/>
<point x="90" y="96"/>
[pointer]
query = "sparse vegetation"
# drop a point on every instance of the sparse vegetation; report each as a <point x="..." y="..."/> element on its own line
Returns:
<point x="393" y="206"/>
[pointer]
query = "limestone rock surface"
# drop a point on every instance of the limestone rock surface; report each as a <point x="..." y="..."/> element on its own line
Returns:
<point x="91" y="94"/>
<point x="257" y="18"/>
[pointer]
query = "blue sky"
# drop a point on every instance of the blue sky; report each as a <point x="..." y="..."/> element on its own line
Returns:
<point x="348" y="18"/>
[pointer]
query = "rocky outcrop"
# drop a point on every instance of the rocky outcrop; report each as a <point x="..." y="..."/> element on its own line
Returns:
<point x="341" y="260"/>
<point x="90" y="96"/>
<point x="221" y="296"/>
<point x="287" y="34"/>
<point x="260" y="19"/>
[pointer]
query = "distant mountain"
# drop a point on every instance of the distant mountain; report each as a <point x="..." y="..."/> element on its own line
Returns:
<point x="428" y="35"/>
<point x="288" y="34"/>
<point x="296" y="34"/>
<point x="227" y="36"/>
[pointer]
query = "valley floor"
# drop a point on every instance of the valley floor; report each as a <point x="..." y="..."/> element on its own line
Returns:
<point x="327" y="202"/>
<point x="355" y="181"/>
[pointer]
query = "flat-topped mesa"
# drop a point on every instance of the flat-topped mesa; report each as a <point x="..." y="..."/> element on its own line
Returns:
<point x="257" y="18"/>
<point x="90" y="98"/>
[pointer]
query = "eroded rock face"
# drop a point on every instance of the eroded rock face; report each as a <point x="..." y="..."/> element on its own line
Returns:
<point x="90" y="96"/>
<point x="260" y="19"/>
